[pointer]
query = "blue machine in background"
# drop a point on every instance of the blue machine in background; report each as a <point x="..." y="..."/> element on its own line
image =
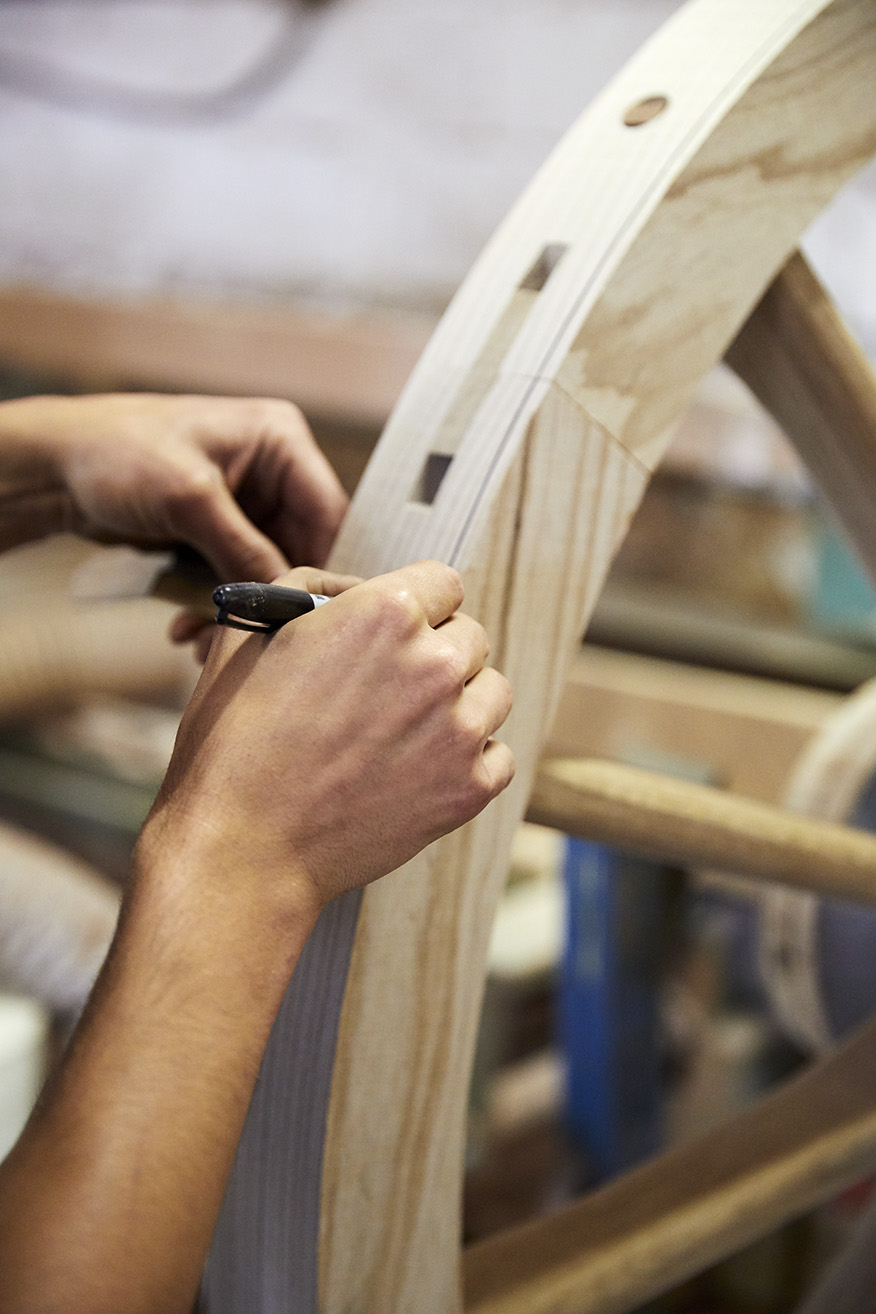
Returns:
<point x="608" y="1008"/>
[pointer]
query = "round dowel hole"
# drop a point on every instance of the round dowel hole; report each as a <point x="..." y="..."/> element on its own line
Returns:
<point x="645" y="110"/>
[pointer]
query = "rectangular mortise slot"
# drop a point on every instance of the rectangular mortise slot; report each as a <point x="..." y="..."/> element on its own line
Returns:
<point x="544" y="266"/>
<point x="431" y="478"/>
<point x="483" y="374"/>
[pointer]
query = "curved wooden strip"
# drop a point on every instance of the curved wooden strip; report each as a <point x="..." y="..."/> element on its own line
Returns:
<point x="827" y="781"/>
<point x="677" y="821"/>
<point x="518" y="452"/>
<point x="652" y="1228"/>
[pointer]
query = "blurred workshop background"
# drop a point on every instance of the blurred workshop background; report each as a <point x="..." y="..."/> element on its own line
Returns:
<point x="280" y="197"/>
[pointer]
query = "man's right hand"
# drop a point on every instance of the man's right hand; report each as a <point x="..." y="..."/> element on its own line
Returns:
<point x="317" y="759"/>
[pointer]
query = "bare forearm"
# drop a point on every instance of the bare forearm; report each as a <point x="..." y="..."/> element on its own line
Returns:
<point x="109" y="1201"/>
<point x="33" y="498"/>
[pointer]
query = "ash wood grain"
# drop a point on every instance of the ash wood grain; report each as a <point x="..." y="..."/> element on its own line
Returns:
<point x="546" y="396"/>
<point x="658" y="817"/>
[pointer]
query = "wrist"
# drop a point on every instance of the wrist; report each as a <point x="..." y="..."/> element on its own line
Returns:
<point x="200" y="884"/>
<point x="119" y="1178"/>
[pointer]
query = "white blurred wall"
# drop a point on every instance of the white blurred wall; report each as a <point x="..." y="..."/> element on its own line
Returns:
<point x="372" y="173"/>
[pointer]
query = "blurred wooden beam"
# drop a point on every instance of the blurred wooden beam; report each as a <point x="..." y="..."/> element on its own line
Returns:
<point x="739" y="731"/>
<point x="345" y="368"/>
<point x="656" y="816"/>
<point x="701" y="1201"/>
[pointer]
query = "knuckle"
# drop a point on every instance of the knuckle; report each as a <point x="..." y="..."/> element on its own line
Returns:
<point x="472" y="729"/>
<point x="454" y="583"/>
<point x="300" y="577"/>
<point x="499" y="696"/>
<point x="504" y="694"/>
<point x="485" y="790"/>
<point x="442" y="671"/>
<point x="281" y="414"/>
<point x="475" y="792"/>
<point x="449" y="669"/>
<point x="503" y="766"/>
<point x="448" y="577"/>
<point x="464" y="735"/>
<point x="485" y="644"/>
<point x="277" y="423"/>
<point x="475" y="784"/>
<point x="453" y="577"/>
<point x="265" y="409"/>
<point x="195" y="487"/>
<point x="397" y="609"/>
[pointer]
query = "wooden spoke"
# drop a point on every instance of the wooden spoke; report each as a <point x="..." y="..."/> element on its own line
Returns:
<point x="661" y="1223"/>
<point x="653" y="815"/>
<point x="800" y="360"/>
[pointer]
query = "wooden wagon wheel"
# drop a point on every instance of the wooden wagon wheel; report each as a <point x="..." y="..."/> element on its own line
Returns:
<point x="519" y="452"/>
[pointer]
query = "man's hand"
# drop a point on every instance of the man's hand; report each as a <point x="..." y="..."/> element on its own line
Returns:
<point x="332" y="751"/>
<point x="240" y="480"/>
